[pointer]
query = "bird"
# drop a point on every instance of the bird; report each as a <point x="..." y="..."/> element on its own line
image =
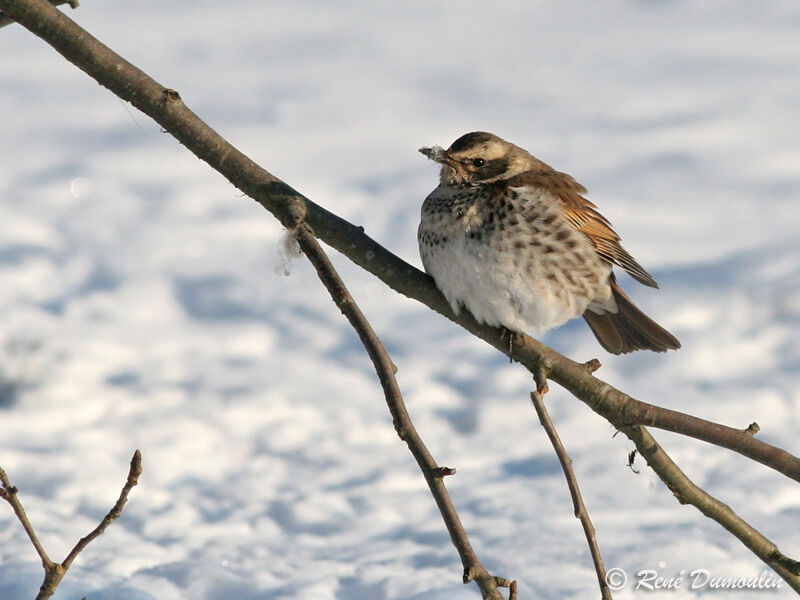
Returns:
<point x="517" y="244"/>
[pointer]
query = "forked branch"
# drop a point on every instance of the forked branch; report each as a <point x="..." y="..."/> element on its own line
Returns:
<point x="537" y="397"/>
<point x="54" y="572"/>
<point x="433" y="473"/>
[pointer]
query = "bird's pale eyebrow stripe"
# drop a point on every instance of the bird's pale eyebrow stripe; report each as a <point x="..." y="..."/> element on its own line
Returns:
<point x="469" y="140"/>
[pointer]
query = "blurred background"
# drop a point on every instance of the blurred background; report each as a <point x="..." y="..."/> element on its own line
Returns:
<point x="144" y="302"/>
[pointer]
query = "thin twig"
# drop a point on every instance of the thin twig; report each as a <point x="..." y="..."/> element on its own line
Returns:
<point x="54" y="572"/>
<point x="433" y="473"/>
<point x="113" y="514"/>
<point x="9" y="493"/>
<point x="537" y="397"/>
<point x="166" y="108"/>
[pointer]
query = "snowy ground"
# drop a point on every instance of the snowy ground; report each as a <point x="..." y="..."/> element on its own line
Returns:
<point x="141" y="307"/>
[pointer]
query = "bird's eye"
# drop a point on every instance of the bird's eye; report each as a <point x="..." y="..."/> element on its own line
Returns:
<point x="478" y="162"/>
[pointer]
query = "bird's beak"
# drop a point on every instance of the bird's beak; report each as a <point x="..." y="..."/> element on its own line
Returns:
<point x="436" y="153"/>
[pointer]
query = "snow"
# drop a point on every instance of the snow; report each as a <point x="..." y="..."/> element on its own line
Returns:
<point x="141" y="307"/>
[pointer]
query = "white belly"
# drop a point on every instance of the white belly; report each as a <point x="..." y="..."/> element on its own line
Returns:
<point x="497" y="292"/>
<point x="504" y="279"/>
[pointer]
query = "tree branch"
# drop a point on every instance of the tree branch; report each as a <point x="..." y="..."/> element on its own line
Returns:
<point x="687" y="492"/>
<point x="6" y="20"/>
<point x="113" y="514"/>
<point x="54" y="572"/>
<point x="165" y="107"/>
<point x="537" y="397"/>
<point x="9" y="493"/>
<point x="433" y="473"/>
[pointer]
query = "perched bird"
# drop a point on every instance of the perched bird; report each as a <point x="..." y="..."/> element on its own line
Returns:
<point x="517" y="244"/>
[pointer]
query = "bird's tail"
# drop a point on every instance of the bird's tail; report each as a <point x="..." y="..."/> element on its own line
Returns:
<point x="629" y="328"/>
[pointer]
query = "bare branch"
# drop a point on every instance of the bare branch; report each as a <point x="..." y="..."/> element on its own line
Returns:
<point x="433" y="473"/>
<point x="627" y="414"/>
<point x="54" y="572"/>
<point x="6" y="20"/>
<point x="133" y="478"/>
<point x="581" y="513"/>
<point x="687" y="492"/>
<point x="9" y="493"/>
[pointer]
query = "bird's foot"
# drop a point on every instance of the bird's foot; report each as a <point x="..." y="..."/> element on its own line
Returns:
<point x="506" y="332"/>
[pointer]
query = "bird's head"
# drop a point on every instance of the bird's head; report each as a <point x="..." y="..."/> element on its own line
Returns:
<point x="479" y="157"/>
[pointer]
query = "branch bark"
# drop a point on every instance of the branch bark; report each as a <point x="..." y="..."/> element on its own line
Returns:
<point x="537" y="397"/>
<point x="687" y="492"/>
<point x="627" y="414"/>
<point x="6" y="20"/>
<point x="433" y="473"/>
<point x="54" y="572"/>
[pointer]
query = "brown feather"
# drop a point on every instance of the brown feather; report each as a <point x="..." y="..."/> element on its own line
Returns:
<point x="629" y="328"/>
<point x="583" y="216"/>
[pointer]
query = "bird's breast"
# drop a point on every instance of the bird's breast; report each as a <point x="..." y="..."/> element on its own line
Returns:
<point x="511" y="258"/>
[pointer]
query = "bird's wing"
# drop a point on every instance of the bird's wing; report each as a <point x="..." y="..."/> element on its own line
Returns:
<point x="583" y="216"/>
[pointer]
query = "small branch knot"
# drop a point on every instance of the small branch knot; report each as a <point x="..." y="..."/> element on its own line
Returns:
<point x="752" y="429"/>
<point x="171" y="96"/>
<point x="786" y="562"/>
<point x="294" y="213"/>
<point x="540" y="373"/>
<point x="592" y="365"/>
<point x="401" y="431"/>
<point x="441" y="472"/>
<point x="469" y="574"/>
